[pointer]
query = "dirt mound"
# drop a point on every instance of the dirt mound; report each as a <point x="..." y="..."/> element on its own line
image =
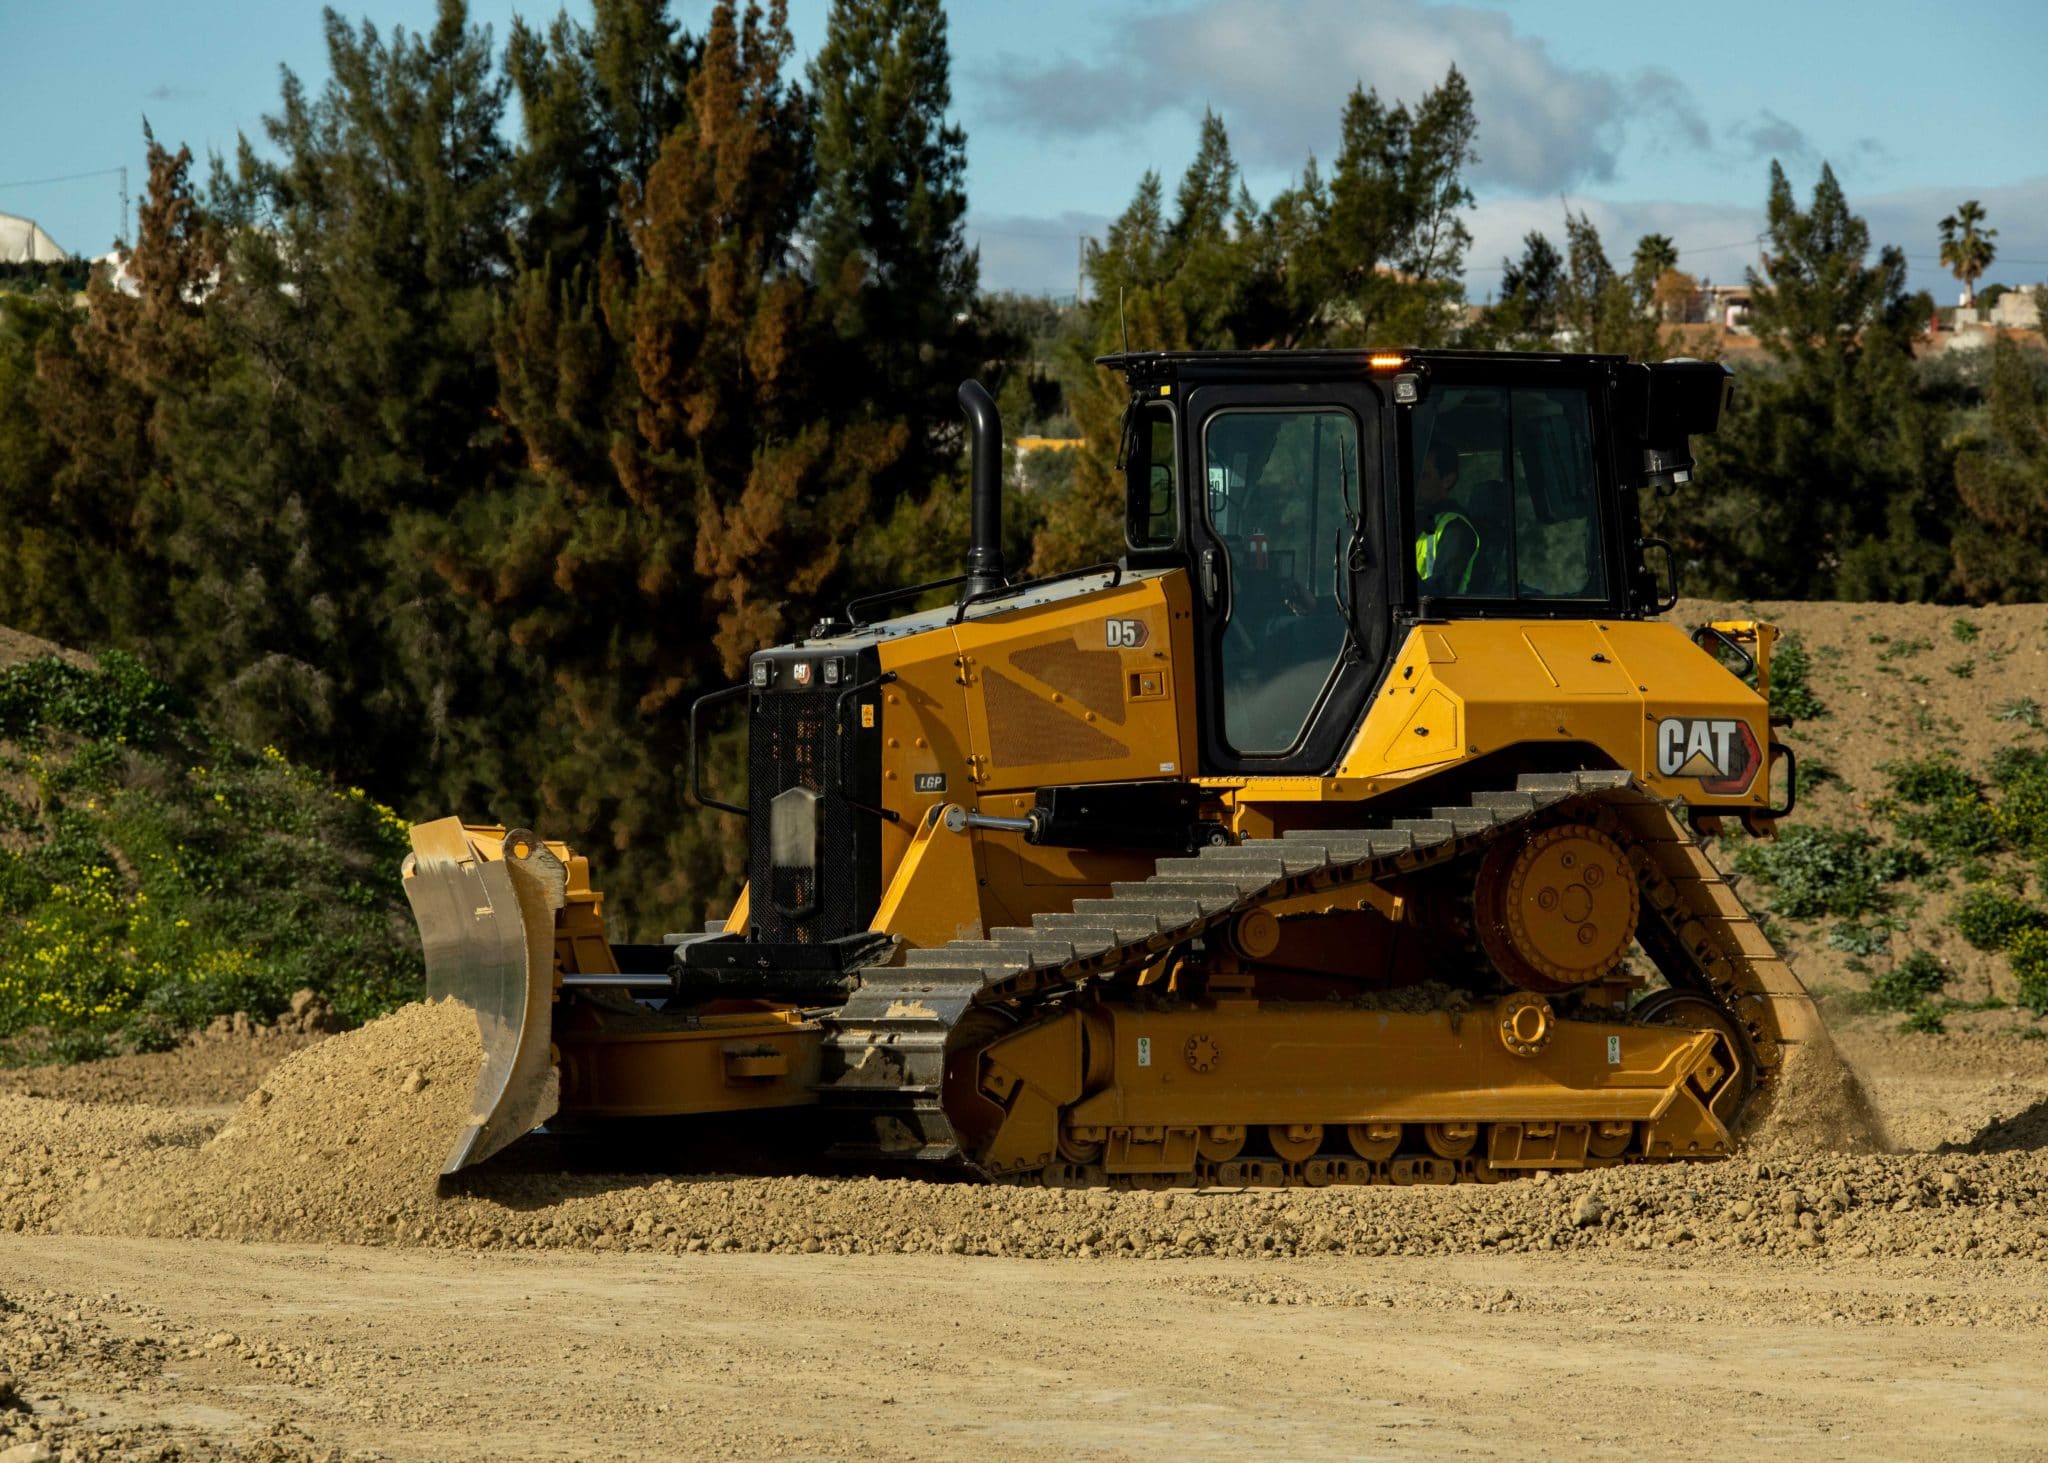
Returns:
<point x="344" y="1139"/>
<point x="216" y="1067"/>
<point x="16" y="647"/>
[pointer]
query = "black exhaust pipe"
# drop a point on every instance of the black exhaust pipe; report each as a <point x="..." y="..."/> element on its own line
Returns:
<point x="985" y="503"/>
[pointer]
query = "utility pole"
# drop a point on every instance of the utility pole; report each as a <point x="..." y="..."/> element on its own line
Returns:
<point x="1080" y="267"/>
<point x="122" y="237"/>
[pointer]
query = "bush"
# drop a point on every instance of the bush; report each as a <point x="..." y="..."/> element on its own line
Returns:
<point x="1989" y="918"/>
<point x="171" y="876"/>
<point x="120" y="701"/>
<point x="2029" y="958"/>
<point x="2021" y="775"/>
<point x="1963" y="630"/>
<point x="1925" y="1021"/>
<point x="1822" y="871"/>
<point x="1791" y="690"/>
<point x="1859" y="939"/>
<point x="1961" y="827"/>
<point x="1928" y="779"/>
<point x="1909" y="983"/>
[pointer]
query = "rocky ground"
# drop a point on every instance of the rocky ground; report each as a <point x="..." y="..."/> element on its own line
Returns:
<point x="285" y="1279"/>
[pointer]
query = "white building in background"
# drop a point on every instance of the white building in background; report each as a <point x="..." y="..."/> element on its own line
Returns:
<point x="2016" y="309"/>
<point x="22" y="241"/>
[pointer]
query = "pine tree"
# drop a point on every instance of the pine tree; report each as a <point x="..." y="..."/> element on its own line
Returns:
<point x="1376" y="254"/>
<point x="2001" y="552"/>
<point x="1830" y="478"/>
<point x="106" y="395"/>
<point x="895" y="276"/>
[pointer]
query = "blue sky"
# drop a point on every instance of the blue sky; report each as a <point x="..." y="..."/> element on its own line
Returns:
<point x="1648" y="116"/>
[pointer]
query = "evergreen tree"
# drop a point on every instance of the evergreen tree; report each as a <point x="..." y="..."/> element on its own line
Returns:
<point x="1376" y="255"/>
<point x="1829" y="478"/>
<point x="895" y="276"/>
<point x="2001" y="552"/>
<point x="97" y="515"/>
<point x="1529" y="313"/>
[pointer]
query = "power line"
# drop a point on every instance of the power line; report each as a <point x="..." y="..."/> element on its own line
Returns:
<point x="66" y="178"/>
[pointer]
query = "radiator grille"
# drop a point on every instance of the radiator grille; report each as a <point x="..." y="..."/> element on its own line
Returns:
<point x="792" y="743"/>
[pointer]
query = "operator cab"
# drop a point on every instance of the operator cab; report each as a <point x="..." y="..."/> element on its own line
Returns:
<point x="1323" y="502"/>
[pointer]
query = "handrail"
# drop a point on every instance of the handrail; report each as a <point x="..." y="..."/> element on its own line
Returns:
<point x="907" y="591"/>
<point x="1115" y="571"/>
<point x="696" y="780"/>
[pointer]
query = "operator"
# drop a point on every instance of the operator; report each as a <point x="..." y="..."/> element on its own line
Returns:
<point x="1446" y="543"/>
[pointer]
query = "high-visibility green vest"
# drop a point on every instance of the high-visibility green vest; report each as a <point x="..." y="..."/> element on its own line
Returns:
<point x="1426" y="547"/>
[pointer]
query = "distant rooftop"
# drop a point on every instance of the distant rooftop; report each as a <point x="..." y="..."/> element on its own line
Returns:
<point x="22" y="241"/>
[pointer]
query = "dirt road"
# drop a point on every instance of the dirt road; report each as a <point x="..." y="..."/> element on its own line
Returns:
<point x="182" y="1277"/>
<point x="430" y="1354"/>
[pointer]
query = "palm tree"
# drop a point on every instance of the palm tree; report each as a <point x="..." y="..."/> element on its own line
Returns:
<point x="1655" y="253"/>
<point x="1966" y="248"/>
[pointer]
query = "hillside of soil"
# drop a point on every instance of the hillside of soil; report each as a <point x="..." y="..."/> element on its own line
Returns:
<point x="156" y="877"/>
<point x="1900" y="687"/>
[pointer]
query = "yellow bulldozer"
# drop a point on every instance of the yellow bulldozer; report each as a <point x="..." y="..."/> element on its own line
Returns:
<point x="1343" y="830"/>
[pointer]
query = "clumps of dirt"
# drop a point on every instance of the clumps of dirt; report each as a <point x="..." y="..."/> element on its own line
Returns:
<point x="1817" y="1105"/>
<point x="215" y="1067"/>
<point x="344" y="1139"/>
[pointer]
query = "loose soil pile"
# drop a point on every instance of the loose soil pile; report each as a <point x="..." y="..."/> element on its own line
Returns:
<point x="211" y="1067"/>
<point x="345" y="1138"/>
<point x="344" y="1141"/>
<point x="1898" y="683"/>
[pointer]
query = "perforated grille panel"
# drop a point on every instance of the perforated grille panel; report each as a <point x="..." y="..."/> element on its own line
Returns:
<point x="1095" y="678"/>
<point x="1026" y="730"/>
<point x="795" y="741"/>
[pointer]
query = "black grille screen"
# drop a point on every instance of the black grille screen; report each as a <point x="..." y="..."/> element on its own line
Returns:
<point x="796" y="739"/>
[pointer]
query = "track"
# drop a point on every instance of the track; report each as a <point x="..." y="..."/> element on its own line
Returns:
<point x="886" y="1045"/>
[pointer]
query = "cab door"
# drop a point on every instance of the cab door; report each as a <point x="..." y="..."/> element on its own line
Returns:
<point x="1291" y="575"/>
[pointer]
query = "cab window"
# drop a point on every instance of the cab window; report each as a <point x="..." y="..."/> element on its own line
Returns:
<point x="1153" y="517"/>
<point x="1503" y="495"/>
<point x="1281" y="490"/>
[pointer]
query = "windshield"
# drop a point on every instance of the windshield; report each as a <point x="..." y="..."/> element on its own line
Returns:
<point x="1504" y="495"/>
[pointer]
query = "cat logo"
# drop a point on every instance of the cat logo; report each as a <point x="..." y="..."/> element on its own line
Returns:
<point x="1124" y="634"/>
<point x="1720" y="751"/>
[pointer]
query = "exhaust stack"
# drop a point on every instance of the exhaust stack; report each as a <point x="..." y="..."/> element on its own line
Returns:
<point x="985" y="503"/>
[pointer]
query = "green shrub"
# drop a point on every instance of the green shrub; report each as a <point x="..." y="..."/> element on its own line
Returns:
<point x="1963" y="630"/>
<point x="119" y="701"/>
<point x="1859" y="939"/>
<point x="2024" y="709"/>
<point x="1791" y="676"/>
<point x="1925" y="1021"/>
<point x="1989" y="918"/>
<point x="172" y="876"/>
<point x="2022" y="778"/>
<point x="2029" y="959"/>
<point x="1909" y="983"/>
<point x="2011" y="764"/>
<point x="1901" y="649"/>
<point x="1821" y="871"/>
<point x="1960" y="827"/>
<point x="1928" y="779"/>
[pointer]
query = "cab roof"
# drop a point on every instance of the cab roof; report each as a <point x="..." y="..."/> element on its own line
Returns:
<point x="1154" y="365"/>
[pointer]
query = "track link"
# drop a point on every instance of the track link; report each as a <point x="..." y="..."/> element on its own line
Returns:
<point x="885" y="1048"/>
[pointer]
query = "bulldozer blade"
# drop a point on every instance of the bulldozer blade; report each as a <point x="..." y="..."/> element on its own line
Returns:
<point x="485" y="910"/>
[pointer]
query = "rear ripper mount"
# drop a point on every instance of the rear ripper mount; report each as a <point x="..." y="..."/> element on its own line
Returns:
<point x="1035" y="1052"/>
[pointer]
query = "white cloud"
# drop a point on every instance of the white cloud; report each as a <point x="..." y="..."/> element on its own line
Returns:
<point x="1032" y="255"/>
<point x="1279" y="78"/>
